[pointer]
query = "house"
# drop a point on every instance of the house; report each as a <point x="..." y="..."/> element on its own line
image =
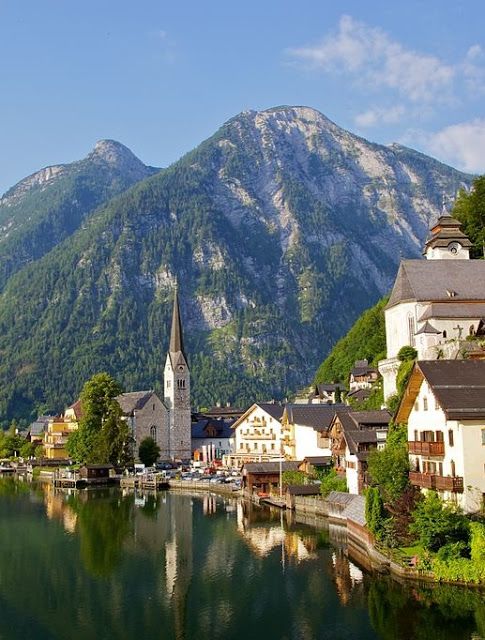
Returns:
<point x="265" y="477"/>
<point x="212" y="439"/>
<point x="36" y="430"/>
<point x="362" y="376"/>
<point x="354" y="434"/>
<point x="324" y="393"/>
<point x="58" y="431"/>
<point x="312" y="464"/>
<point x="147" y="417"/>
<point x="305" y="429"/>
<point x="444" y="408"/>
<point x="258" y="434"/>
<point x="435" y="303"/>
<point x="96" y="473"/>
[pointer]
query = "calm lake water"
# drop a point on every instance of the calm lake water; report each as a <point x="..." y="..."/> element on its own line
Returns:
<point x="100" y="564"/>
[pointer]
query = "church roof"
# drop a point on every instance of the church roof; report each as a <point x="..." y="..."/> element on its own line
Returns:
<point x="427" y="328"/>
<point x="176" y="335"/>
<point x="454" y="310"/>
<point x="133" y="400"/>
<point x="445" y="231"/>
<point x="438" y="281"/>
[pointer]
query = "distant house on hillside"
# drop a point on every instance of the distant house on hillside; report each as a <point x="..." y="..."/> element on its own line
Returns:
<point x="324" y="393"/>
<point x="444" y="408"/>
<point x="362" y="376"/>
<point x="354" y="434"/>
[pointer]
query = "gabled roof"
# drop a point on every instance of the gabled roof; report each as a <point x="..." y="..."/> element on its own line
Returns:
<point x="271" y="467"/>
<point x="458" y="385"/>
<point x="303" y="489"/>
<point x="438" y="280"/>
<point x="454" y="310"/>
<point x="360" y="427"/>
<point x="427" y="328"/>
<point x="317" y="416"/>
<point x="77" y="409"/>
<point x="133" y="400"/>
<point x="222" y="427"/>
<point x="272" y="409"/>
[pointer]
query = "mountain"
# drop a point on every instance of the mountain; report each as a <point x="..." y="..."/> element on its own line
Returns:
<point x="51" y="204"/>
<point x="280" y="229"/>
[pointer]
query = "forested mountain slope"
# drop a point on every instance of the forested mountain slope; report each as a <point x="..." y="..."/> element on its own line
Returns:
<point x="280" y="230"/>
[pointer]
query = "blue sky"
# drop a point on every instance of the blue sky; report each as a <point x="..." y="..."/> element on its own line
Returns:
<point x="160" y="77"/>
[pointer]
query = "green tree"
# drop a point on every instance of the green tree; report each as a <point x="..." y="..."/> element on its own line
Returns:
<point x="437" y="524"/>
<point x="374" y="510"/>
<point x="469" y="209"/>
<point x="103" y="436"/>
<point x="293" y="477"/>
<point x="332" y="481"/>
<point x="389" y="467"/>
<point x="148" y="451"/>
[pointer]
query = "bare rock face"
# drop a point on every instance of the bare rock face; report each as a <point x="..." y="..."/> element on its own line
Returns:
<point x="280" y="230"/>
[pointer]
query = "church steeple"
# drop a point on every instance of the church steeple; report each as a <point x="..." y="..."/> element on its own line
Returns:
<point x="176" y="335"/>
<point x="447" y="240"/>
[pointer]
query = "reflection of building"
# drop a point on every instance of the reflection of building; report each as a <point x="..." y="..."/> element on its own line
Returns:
<point x="345" y="574"/>
<point x="57" y="509"/>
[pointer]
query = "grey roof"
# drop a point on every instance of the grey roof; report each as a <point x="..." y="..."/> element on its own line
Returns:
<point x="427" y="328"/>
<point x="339" y="497"/>
<point x="360" y="427"/>
<point x="454" y="310"/>
<point x="359" y="394"/>
<point x="222" y="427"/>
<point x="459" y="386"/>
<point x="303" y="489"/>
<point x="39" y="426"/>
<point x="318" y="416"/>
<point x="438" y="280"/>
<point x="133" y="400"/>
<point x="274" y="410"/>
<point x="355" y="510"/>
<point x="327" y="386"/>
<point x="271" y="467"/>
<point x="318" y="460"/>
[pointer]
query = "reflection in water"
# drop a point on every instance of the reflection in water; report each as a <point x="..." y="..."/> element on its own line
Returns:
<point x="103" y="564"/>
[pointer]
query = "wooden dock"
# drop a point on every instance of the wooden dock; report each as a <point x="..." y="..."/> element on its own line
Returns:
<point x="149" y="482"/>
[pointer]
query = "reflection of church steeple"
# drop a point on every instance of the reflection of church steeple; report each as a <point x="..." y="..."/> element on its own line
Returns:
<point x="178" y="563"/>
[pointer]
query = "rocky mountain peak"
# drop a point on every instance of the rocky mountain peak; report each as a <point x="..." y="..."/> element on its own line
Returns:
<point x="117" y="155"/>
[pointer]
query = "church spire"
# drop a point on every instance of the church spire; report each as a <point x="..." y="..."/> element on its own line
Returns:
<point x="176" y="336"/>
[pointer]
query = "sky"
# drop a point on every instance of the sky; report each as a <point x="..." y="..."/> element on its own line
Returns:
<point x="161" y="76"/>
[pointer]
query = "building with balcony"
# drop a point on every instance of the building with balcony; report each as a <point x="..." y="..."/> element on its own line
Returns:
<point x="444" y="408"/>
<point x="354" y="434"/>
<point x="58" y="431"/>
<point x="258" y="434"/>
<point x="305" y="429"/>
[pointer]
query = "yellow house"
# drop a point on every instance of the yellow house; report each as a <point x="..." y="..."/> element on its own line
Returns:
<point x="58" y="431"/>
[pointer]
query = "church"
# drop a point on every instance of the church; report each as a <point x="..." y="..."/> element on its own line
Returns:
<point x="168" y="422"/>
<point x="436" y="303"/>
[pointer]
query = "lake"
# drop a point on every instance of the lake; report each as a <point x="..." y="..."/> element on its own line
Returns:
<point x="100" y="564"/>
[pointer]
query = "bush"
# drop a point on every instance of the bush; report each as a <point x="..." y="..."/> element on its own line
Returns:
<point x="407" y="354"/>
<point x="333" y="482"/>
<point x="374" y="510"/>
<point x="148" y="451"/>
<point x="453" y="551"/>
<point x="437" y="524"/>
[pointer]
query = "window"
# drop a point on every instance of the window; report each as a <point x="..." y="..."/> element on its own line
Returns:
<point x="255" y="446"/>
<point x="425" y="404"/>
<point x="411" y="330"/>
<point x="169" y="384"/>
<point x="444" y="334"/>
<point x="416" y="406"/>
<point x="416" y="435"/>
<point x="483" y="436"/>
<point x="153" y="433"/>
<point x="180" y="384"/>
<point x="272" y="446"/>
<point x="153" y="407"/>
<point x="471" y="331"/>
<point x="436" y="404"/>
<point x="450" y="438"/>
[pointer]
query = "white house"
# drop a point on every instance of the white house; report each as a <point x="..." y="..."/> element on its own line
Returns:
<point x="212" y="439"/>
<point x="258" y="434"/>
<point x="305" y="429"/>
<point x="435" y="303"/>
<point x="354" y="434"/>
<point x="444" y="407"/>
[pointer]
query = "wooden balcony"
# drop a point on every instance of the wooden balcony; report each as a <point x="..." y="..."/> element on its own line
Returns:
<point x="432" y="481"/>
<point x="443" y="483"/>
<point x="422" y="448"/>
<point x="424" y="480"/>
<point x="259" y="436"/>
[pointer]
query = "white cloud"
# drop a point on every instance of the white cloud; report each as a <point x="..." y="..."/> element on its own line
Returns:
<point x="460" y="145"/>
<point x="376" y="59"/>
<point x="378" y="115"/>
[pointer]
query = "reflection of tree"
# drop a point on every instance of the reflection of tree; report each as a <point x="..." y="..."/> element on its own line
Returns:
<point x="418" y="612"/>
<point x="104" y="521"/>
